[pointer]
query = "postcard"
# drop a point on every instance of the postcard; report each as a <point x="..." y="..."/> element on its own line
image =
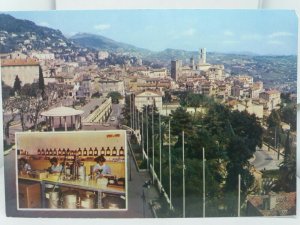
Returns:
<point x="149" y="113"/>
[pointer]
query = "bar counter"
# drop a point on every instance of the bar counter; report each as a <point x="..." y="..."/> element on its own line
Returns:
<point x="91" y="185"/>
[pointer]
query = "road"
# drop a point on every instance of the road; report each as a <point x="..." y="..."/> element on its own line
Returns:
<point x="110" y="124"/>
<point x="91" y="106"/>
<point x="264" y="159"/>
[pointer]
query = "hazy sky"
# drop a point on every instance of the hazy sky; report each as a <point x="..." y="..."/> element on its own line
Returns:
<point x="257" y="31"/>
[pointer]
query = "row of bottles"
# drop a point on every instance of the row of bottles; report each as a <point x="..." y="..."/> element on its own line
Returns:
<point x="80" y="152"/>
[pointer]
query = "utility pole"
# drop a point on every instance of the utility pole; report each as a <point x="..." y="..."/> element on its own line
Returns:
<point x="203" y="182"/>
<point x="183" y="177"/>
<point x="170" y="170"/>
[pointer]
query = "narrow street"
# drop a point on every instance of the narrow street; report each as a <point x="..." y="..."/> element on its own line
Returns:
<point x="266" y="160"/>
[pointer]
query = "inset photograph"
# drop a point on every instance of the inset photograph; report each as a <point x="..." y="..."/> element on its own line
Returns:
<point x="71" y="170"/>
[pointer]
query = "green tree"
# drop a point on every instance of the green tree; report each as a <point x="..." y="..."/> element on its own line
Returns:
<point x="7" y="91"/>
<point x="289" y="115"/>
<point x="41" y="81"/>
<point x="287" y="174"/>
<point x="115" y="96"/>
<point x="274" y="119"/>
<point x="17" y="85"/>
<point x="181" y="120"/>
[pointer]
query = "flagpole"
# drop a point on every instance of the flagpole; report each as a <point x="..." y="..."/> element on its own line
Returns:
<point x="143" y="133"/>
<point x="147" y="133"/>
<point x="133" y="113"/>
<point x="130" y="110"/>
<point x="183" y="177"/>
<point x="239" y="195"/>
<point x="203" y="182"/>
<point x="170" y="170"/>
<point x="153" y="143"/>
<point x="160" y="149"/>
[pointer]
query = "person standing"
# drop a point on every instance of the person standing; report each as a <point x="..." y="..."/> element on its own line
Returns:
<point x="101" y="169"/>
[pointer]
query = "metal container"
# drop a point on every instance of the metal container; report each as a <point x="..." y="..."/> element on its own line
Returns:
<point x="81" y="173"/>
<point x="53" y="200"/>
<point x="87" y="201"/>
<point x="70" y="199"/>
<point x="113" y="202"/>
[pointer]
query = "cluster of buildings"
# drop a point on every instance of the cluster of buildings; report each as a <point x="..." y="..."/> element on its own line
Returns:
<point x="81" y="80"/>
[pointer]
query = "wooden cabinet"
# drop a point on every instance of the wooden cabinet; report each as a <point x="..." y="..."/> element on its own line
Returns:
<point x="29" y="195"/>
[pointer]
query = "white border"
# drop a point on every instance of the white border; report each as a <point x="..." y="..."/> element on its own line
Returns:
<point x="13" y="5"/>
<point x="72" y="210"/>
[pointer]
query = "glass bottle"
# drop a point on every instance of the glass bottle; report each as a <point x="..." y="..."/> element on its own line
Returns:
<point x="59" y="152"/>
<point x="39" y="152"/>
<point x="108" y="151"/>
<point x="121" y="151"/>
<point x="47" y="151"/>
<point x="79" y="152"/>
<point x="102" y="151"/>
<point x="54" y="152"/>
<point x="50" y="151"/>
<point x="95" y="151"/>
<point x="43" y="152"/>
<point x="114" y="151"/>
<point x="91" y="153"/>
<point x="84" y="152"/>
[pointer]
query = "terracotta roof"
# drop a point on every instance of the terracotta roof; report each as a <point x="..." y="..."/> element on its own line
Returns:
<point x="19" y="62"/>
<point x="285" y="204"/>
<point x="273" y="92"/>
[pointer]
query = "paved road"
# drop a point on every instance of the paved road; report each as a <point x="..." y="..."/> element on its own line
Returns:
<point x="264" y="159"/>
<point x="91" y="106"/>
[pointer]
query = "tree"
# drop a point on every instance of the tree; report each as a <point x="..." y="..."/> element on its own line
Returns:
<point x="274" y="119"/>
<point x="287" y="174"/>
<point x="41" y="81"/>
<point x="17" y="85"/>
<point x="194" y="100"/>
<point x="115" y="96"/>
<point x="181" y="121"/>
<point x="7" y="91"/>
<point x="22" y="105"/>
<point x="9" y="108"/>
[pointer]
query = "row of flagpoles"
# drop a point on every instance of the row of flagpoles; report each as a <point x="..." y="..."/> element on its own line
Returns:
<point x="135" y="125"/>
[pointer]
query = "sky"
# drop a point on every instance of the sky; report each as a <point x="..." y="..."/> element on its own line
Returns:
<point x="265" y="32"/>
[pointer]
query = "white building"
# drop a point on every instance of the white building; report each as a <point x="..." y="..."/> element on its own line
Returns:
<point x="26" y="69"/>
<point x="148" y="98"/>
<point x="272" y="99"/>
<point x="109" y="85"/>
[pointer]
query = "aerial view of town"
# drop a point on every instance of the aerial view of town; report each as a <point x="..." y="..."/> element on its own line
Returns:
<point x="149" y="113"/>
